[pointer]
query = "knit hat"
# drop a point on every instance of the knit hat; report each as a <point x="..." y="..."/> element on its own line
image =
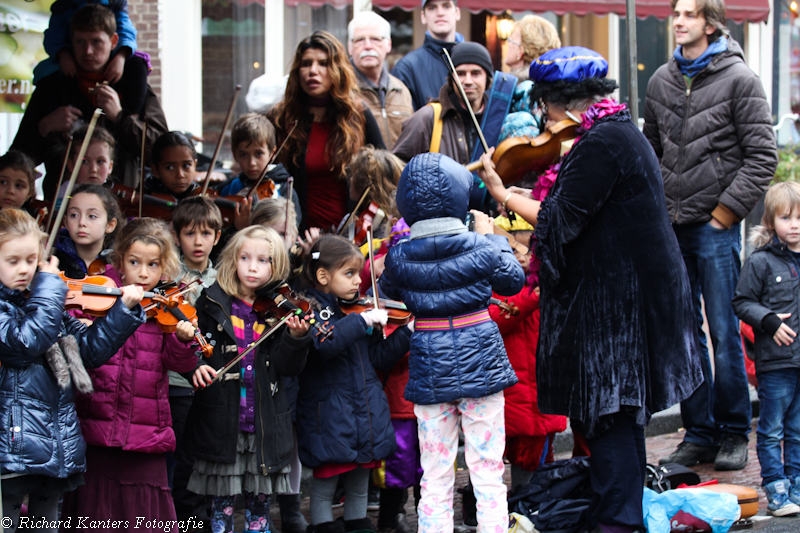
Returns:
<point x="572" y="72"/>
<point x="474" y="54"/>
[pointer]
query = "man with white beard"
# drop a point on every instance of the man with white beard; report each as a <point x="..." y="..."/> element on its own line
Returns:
<point x="369" y="41"/>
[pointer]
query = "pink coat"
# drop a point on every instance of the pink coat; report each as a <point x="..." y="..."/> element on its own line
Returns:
<point x="129" y="407"/>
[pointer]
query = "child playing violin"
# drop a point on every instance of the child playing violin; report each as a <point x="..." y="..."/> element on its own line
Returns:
<point x="173" y="161"/>
<point x="240" y="428"/>
<point x="44" y="354"/>
<point x="343" y="423"/>
<point x="126" y="421"/>
<point x="458" y="369"/>
<point x="93" y="220"/>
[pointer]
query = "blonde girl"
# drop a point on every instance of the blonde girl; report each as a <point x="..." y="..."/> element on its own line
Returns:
<point x="240" y="429"/>
<point x="44" y="354"/>
<point x="126" y="421"/>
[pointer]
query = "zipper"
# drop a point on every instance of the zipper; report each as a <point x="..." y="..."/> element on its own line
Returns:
<point x="385" y="120"/>
<point x="264" y="469"/>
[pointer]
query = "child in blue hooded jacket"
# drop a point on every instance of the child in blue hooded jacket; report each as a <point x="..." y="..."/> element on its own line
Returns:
<point x="445" y="274"/>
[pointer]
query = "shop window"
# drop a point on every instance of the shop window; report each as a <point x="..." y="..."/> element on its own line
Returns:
<point x="786" y="70"/>
<point x="653" y="41"/>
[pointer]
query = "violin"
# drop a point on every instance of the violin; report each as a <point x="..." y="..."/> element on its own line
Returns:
<point x="169" y="309"/>
<point x="155" y="205"/>
<point x="39" y="209"/>
<point x="277" y="302"/>
<point x="507" y="310"/>
<point x="513" y="242"/>
<point x="373" y="215"/>
<point x="516" y="156"/>
<point x="398" y="313"/>
<point x="227" y="204"/>
<point x="93" y="295"/>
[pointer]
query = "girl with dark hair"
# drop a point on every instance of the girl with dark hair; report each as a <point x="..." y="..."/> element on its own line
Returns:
<point x="174" y="160"/>
<point x="332" y="124"/>
<point x="92" y="219"/>
<point x="343" y="422"/>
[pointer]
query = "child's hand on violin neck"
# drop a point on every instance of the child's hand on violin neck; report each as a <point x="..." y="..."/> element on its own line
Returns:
<point x="131" y="295"/>
<point x="185" y="331"/>
<point x="203" y="376"/>
<point x="375" y="317"/>
<point x="51" y="266"/>
<point x="298" y="326"/>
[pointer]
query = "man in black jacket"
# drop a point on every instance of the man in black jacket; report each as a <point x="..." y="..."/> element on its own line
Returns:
<point x="422" y="70"/>
<point x="708" y="119"/>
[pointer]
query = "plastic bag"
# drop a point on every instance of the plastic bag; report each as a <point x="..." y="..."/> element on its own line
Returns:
<point x="520" y="524"/>
<point x="688" y="510"/>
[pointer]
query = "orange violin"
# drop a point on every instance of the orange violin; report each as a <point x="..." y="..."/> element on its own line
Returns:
<point x="170" y="309"/>
<point x="516" y="156"/>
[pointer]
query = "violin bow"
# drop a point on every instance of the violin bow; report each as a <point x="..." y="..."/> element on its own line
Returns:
<point x="351" y="218"/>
<point x="141" y="163"/>
<point x="289" y="190"/>
<point x="376" y="299"/>
<point x="452" y="70"/>
<point x="272" y="160"/>
<point x="219" y="141"/>
<point x="222" y="371"/>
<point x="60" y="181"/>
<point x="72" y="178"/>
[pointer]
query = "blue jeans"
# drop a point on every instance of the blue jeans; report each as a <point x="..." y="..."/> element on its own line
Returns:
<point x="779" y="393"/>
<point x="722" y="402"/>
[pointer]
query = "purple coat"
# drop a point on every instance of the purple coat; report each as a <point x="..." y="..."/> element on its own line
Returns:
<point x="129" y="407"/>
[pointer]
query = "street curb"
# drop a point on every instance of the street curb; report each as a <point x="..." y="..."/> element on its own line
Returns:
<point x="661" y="423"/>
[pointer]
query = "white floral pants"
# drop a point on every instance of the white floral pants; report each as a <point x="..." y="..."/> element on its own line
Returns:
<point x="483" y="423"/>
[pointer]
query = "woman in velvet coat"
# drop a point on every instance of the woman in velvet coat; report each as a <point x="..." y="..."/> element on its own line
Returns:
<point x="617" y="333"/>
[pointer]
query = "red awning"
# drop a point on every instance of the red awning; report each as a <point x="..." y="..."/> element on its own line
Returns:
<point x="737" y="10"/>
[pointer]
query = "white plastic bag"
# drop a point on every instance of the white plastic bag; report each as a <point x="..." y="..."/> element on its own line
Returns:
<point x="688" y="510"/>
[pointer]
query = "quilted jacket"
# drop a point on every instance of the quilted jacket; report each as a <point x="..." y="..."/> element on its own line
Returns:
<point x="129" y="407"/>
<point x="342" y="412"/>
<point x="521" y="336"/>
<point x="39" y="425"/>
<point x="714" y="139"/>
<point x="446" y="276"/>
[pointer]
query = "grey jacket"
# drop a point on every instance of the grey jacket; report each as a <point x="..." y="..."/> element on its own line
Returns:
<point x="769" y="284"/>
<point x="714" y="139"/>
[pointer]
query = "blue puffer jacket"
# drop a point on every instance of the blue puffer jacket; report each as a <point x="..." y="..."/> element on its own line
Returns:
<point x="342" y="413"/>
<point x="447" y="276"/>
<point x="39" y="428"/>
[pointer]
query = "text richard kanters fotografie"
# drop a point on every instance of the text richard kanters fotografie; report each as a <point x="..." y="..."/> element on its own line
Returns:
<point x="84" y="522"/>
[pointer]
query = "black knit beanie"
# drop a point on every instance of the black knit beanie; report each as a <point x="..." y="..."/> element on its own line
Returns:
<point x="474" y="54"/>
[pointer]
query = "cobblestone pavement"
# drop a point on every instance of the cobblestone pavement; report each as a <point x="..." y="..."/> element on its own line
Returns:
<point x="657" y="447"/>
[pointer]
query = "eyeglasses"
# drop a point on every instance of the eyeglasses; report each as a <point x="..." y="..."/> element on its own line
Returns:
<point x="361" y="41"/>
<point x="509" y="41"/>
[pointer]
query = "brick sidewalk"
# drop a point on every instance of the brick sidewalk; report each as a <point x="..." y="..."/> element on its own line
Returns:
<point x="657" y="447"/>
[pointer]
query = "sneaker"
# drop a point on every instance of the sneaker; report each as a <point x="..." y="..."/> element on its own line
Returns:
<point x="778" y="503"/>
<point x="794" y="492"/>
<point x="689" y="454"/>
<point x="732" y="453"/>
<point x="373" y="498"/>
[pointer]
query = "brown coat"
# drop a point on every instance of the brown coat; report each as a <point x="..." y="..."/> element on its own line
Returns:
<point x="457" y="141"/>
<point x="397" y="105"/>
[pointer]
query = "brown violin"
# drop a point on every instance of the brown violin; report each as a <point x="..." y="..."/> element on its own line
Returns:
<point x="516" y="156"/>
<point x="153" y="205"/>
<point x="507" y="310"/>
<point x="277" y="302"/>
<point x="399" y="315"/>
<point x="227" y="204"/>
<point x="169" y="309"/>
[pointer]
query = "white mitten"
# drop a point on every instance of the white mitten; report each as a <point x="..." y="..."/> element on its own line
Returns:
<point x="375" y="317"/>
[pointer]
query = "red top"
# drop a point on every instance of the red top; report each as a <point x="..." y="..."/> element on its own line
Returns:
<point x="326" y="203"/>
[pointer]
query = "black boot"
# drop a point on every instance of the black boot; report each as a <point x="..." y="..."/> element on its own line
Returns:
<point x="469" y="506"/>
<point x="360" y="524"/>
<point x="292" y="520"/>
<point x="337" y="526"/>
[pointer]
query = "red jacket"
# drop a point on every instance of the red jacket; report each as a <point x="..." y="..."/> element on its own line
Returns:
<point x="395" y="385"/>
<point x="521" y="336"/>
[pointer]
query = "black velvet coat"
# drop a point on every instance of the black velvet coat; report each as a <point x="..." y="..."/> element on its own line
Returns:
<point x="617" y="327"/>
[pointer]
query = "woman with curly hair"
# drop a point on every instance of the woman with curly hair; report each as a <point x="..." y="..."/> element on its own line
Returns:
<point x="332" y="125"/>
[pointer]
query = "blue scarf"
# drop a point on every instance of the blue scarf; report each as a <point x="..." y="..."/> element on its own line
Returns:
<point x="690" y="67"/>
